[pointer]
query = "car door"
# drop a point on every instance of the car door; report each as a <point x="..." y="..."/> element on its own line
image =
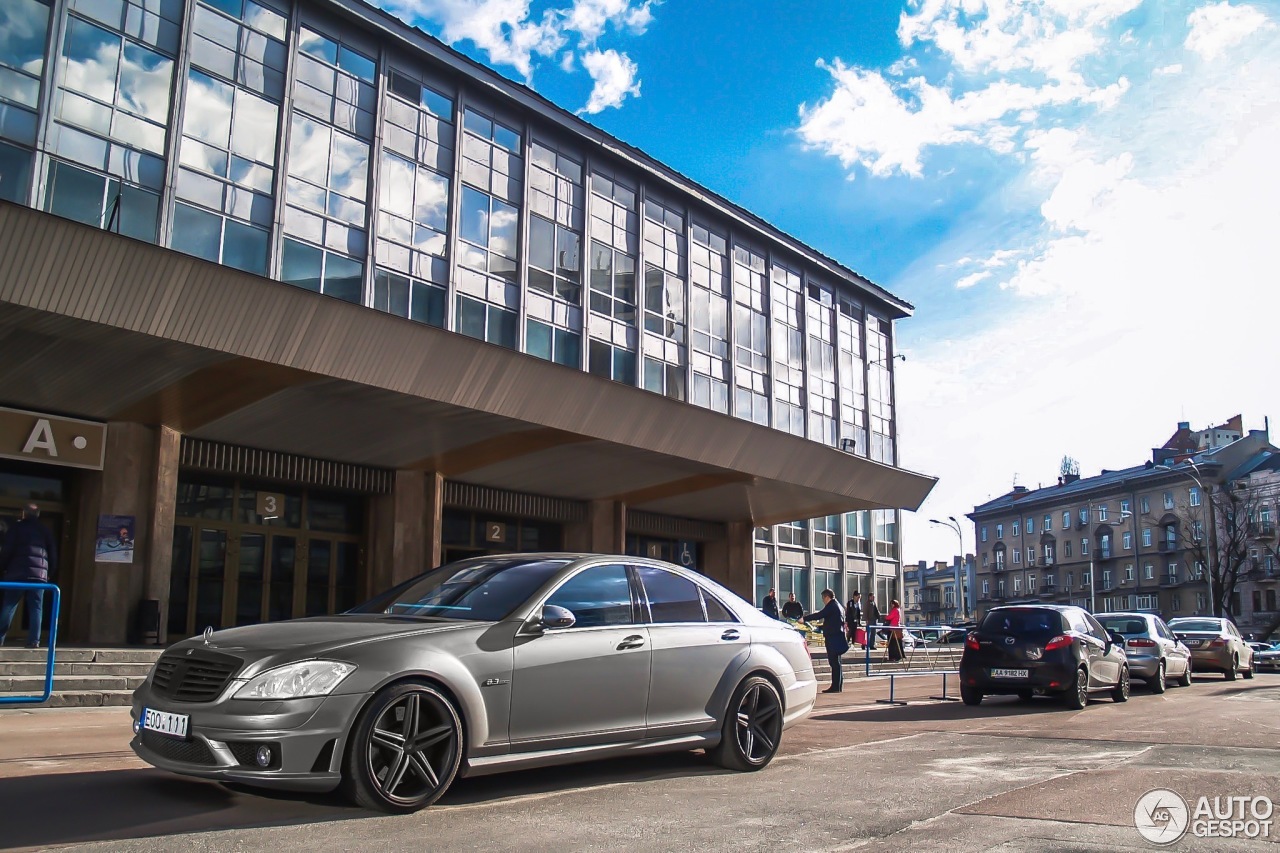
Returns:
<point x="1244" y="651"/>
<point x="1094" y="647"/>
<point x="1177" y="656"/>
<point x="588" y="683"/>
<point x="696" y="643"/>
<point x="1110" y="655"/>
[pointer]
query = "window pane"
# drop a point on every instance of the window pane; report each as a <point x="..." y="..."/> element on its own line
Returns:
<point x="301" y="265"/>
<point x="75" y="193"/>
<point x="144" y="83"/>
<point x="541" y="243"/>
<point x="196" y="232"/>
<point x="253" y="132"/>
<point x="349" y="170"/>
<point x="597" y="596"/>
<point x="502" y="327"/>
<point x="471" y="317"/>
<point x="92" y="55"/>
<point x="343" y="278"/>
<point x="502" y="229"/>
<point x="671" y="597"/>
<point x="15" y="173"/>
<point x="475" y="216"/>
<point x="245" y="248"/>
<point x="538" y="339"/>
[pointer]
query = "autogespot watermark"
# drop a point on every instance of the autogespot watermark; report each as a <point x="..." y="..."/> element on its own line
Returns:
<point x="1163" y="816"/>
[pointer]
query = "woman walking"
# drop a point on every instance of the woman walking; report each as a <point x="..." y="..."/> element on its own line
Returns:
<point x="894" y="620"/>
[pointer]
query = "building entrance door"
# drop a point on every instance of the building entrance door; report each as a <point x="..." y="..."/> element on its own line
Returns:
<point x="21" y="484"/>
<point x="233" y="567"/>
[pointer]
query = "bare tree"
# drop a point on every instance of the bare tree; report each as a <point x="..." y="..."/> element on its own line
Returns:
<point x="1219" y="534"/>
<point x="1069" y="467"/>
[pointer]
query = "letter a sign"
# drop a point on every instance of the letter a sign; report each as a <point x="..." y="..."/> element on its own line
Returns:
<point x="38" y="437"/>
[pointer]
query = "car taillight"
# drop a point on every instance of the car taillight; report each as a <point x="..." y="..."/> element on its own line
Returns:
<point x="971" y="642"/>
<point x="1217" y="644"/>
<point x="1141" y="642"/>
<point x="1059" y="642"/>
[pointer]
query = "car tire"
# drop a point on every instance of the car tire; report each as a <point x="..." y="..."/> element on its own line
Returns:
<point x="1026" y="696"/>
<point x="1077" y="698"/>
<point x="412" y="732"/>
<point x="752" y="728"/>
<point x="1248" y="673"/>
<point x="1185" y="680"/>
<point x="1232" y="670"/>
<point x="1156" y="683"/>
<point x="970" y="695"/>
<point x="1120" y="693"/>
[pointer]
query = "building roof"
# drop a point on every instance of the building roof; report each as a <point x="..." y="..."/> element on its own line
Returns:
<point x="523" y="94"/>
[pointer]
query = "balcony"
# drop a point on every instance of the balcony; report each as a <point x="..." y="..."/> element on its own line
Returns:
<point x="1048" y="591"/>
<point x="1102" y="554"/>
<point x="1262" y="530"/>
<point x="1166" y="547"/>
<point x="1169" y="581"/>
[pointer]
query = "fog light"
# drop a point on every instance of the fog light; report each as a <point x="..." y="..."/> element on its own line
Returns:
<point x="264" y="756"/>
<point x="137" y="726"/>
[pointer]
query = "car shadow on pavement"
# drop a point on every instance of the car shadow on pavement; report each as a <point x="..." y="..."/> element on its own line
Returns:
<point x="54" y="809"/>
<point x="945" y="712"/>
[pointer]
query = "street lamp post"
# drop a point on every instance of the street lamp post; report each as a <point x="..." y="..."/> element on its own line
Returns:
<point x="1208" y="548"/>
<point x="952" y="524"/>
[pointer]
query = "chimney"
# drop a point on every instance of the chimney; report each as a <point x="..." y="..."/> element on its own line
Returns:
<point x="1070" y="478"/>
<point x="1019" y="490"/>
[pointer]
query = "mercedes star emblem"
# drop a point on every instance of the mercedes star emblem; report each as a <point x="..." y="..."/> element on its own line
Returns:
<point x="208" y="632"/>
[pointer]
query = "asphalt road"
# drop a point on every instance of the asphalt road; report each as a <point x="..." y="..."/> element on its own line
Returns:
<point x="856" y="775"/>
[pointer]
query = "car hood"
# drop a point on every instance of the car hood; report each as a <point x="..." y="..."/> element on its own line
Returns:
<point x="298" y="639"/>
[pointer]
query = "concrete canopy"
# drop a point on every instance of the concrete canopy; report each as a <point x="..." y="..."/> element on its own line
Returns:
<point x="99" y="326"/>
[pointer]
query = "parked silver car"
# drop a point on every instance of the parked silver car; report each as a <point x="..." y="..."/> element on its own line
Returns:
<point x="483" y="665"/>
<point x="1216" y="645"/>
<point x="1155" y="654"/>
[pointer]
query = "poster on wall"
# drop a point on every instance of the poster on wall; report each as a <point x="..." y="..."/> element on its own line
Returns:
<point x="115" y="539"/>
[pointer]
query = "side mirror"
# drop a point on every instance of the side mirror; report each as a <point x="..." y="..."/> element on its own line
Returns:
<point x="557" y="617"/>
<point x="1116" y="638"/>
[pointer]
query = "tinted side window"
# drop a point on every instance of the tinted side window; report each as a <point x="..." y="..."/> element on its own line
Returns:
<point x="716" y="612"/>
<point x="1096" y="629"/>
<point x="598" y="596"/>
<point x="671" y="597"/>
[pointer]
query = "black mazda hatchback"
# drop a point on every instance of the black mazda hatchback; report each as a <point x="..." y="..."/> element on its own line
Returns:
<point x="1043" y="650"/>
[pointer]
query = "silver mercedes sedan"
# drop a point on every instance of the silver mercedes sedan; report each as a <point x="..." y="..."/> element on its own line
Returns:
<point x="479" y="666"/>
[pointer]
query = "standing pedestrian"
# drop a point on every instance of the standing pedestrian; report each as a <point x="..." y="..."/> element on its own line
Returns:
<point x="853" y="618"/>
<point x="28" y="555"/>
<point x="792" y="609"/>
<point x="872" y="614"/>
<point x="894" y="619"/>
<point x="832" y="617"/>
<point x="771" y="604"/>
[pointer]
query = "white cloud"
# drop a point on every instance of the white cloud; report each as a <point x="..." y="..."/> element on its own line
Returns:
<point x="1220" y="26"/>
<point x="510" y="33"/>
<point x="615" y="78"/>
<point x="1130" y="235"/>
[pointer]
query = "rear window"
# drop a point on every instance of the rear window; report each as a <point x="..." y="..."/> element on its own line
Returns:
<point x="1196" y="625"/>
<point x="1022" y="623"/>
<point x="1125" y="625"/>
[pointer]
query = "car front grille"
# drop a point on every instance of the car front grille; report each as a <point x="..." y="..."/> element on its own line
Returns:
<point x="175" y="749"/>
<point x="195" y="675"/>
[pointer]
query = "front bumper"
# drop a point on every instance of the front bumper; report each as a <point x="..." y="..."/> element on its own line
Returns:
<point x="307" y="737"/>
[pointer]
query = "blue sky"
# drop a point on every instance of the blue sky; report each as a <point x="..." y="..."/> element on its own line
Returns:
<point x="1079" y="196"/>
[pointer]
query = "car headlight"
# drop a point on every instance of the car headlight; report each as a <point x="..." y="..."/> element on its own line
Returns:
<point x="297" y="680"/>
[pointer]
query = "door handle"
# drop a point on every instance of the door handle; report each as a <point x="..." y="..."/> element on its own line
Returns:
<point x="731" y="634"/>
<point x="635" y="641"/>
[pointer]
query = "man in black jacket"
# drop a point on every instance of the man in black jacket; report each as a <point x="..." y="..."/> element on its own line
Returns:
<point x="792" y="609"/>
<point x="853" y="617"/>
<point x="874" y="617"/>
<point x="771" y="604"/>
<point x="28" y="555"/>
<point x="832" y="616"/>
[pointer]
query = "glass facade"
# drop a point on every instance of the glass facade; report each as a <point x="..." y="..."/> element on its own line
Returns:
<point x="268" y="137"/>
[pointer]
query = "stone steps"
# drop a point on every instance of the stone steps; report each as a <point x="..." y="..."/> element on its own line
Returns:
<point x="82" y="677"/>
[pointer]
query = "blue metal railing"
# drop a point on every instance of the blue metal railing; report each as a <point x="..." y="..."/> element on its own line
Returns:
<point x="53" y="641"/>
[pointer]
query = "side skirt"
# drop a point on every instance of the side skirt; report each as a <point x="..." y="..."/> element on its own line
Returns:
<point x="484" y="765"/>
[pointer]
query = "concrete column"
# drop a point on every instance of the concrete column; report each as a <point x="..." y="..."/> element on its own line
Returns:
<point x="603" y="532"/>
<point x="731" y="560"/>
<point x="399" y="544"/>
<point x="139" y="479"/>
<point x="433" y="554"/>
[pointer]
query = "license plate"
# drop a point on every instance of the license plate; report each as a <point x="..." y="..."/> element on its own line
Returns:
<point x="1195" y="643"/>
<point x="1010" y="673"/>
<point x="175" y="725"/>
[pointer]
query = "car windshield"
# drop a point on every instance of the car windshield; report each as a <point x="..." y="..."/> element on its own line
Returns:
<point x="1196" y="625"/>
<point x="1022" y="623"/>
<point x="477" y="590"/>
<point x="1128" y="626"/>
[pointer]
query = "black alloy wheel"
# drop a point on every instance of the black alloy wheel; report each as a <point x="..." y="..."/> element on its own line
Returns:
<point x="1120" y="693"/>
<point x="753" y="727"/>
<point x="404" y="751"/>
<point x="1156" y="682"/>
<point x="1077" y="697"/>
